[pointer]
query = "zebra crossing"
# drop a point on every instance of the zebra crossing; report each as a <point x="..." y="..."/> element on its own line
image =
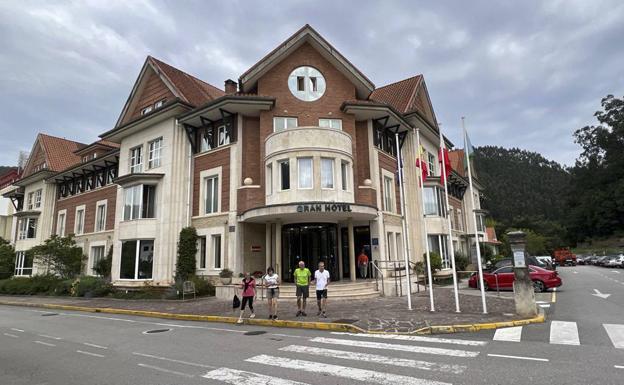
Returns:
<point x="340" y="354"/>
<point x="562" y="333"/>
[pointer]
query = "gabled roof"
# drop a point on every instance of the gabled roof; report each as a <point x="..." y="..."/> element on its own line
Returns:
<point x="183" y="86"/>
<point x="102" y="143"/>
<point x="407" y="96"/>
<point x="58" y="153"/>
<point x="306" y="34"/>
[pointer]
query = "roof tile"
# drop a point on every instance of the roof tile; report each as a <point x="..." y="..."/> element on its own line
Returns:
<point x="60" y="152"/>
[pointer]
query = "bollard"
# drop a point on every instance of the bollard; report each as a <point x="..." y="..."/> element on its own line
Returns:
<point x="524" y="293"/>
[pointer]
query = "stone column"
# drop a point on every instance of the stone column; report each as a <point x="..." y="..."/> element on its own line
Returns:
<point x="524" y="294"/>
<point x="351" y="250"/>
<point x="278" y="249"/>
<point x="267" y="245"/>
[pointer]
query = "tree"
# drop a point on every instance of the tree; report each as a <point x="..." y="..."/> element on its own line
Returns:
<point x="103" y="266"/>
<point x="187" y="249"/>
<point x="7" y="259"/>
<point x="60" y="256"/>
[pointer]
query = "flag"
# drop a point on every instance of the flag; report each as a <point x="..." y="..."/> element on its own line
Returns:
<point x="422" y="164"/>
<point x="444" y="157"/>
<point x="468" y="151"/>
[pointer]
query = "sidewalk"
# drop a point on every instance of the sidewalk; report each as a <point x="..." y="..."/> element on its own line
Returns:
<point x="384" y="314"/>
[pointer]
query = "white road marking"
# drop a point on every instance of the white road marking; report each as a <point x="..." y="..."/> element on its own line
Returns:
<point x="10" y="335"/>
<point x="17" y="330"/>
<point x="287" y="335"/>
<point x="50" y="337"/>
<point x="564" y="333"/>
<point x="94" y="345"/>
<point x="512" y="334"/>
<point x="544" y="305"/>
<point x="43" y="343"/>
<point x="519" y="357"/>
<point x="172" y="360"/>
<point x="165" y="370"/>
<point x="618" y="366"/>
<point x="615" y="271"/>
<point x="90" y="354"/>
<point x="538" y="302"/>
<point x="575" y="272"/>
<point x="401" y="348"/>
<point x="369" y="376"/>
<point x="416" y="338"/>
<point x="374" y="358"/>
<point x="239" y="377"/>
<point x="601" y="295"/>
<point x="616" y="334"/>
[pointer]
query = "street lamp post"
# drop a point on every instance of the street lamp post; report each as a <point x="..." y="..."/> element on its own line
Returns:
<point x="524" y="294"/>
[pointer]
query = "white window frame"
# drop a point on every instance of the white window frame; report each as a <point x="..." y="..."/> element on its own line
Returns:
<point x="60" y="224"/>
<point x="37" y="200"/>
<point x="214" y="252"/>
<point x="279" y="166"/>
<point x="222" y="133"/>
<point x="203" y="175"/>
<point x="23" y="226"/>
<point x="98" y="219"/>
<point x="280" y="123"/>
<point x="211" y="197"/>
<point x="299" y="163"/>
<point x="335" y="124"/>
<point x="20" y="258"/>
<point x="136" y="159"/>
<point x="431" y="160"/>
<point x="202" y="252"/>
<point x="141" y="189"/>
<point x="30" y="200"/>
<point x="209" y="233"/>
<point x="146" y="110"/>
<point x="79" y="227"/>
<point x="136" y="259"/>
<point x="332" y="162"/>
<point x="344" y="175"/>
<point x="154" y="153"/>
<point x="160" y="103"/>
<point x="92" y="261"/>
<point x="388" y="199"/>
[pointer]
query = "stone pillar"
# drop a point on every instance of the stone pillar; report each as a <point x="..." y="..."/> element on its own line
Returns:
<point x="351" y="251"/>
<point x="267" y="245"/>
<point x="524" y="294"/>
<point x="340" y="256"/>
<point x="278" y="249"/>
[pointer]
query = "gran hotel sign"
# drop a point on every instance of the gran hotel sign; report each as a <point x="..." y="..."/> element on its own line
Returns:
<point x="324" y="208"/>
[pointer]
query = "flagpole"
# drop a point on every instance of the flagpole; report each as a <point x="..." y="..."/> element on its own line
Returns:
<point x="448" y="221"/>
<point x="474" y="216"/>
<point x="403" y="222"/>
<point x="421" y="183"/>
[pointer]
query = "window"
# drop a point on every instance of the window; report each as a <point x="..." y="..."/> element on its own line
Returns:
<point x="460" y="220"/>
<point x="216" y="250"/>
<point x="306" y="83"/>
<point x="79" y="220"/>
<point x="327" y="173"/>
<point x="388" y="194"/>
<point x="313" y="84"/>
<point x="284" y="169"/>
<point x="97" y="254"/>
<point x="139" y="202"/>
<point x="480" y="223"/>
<point x="304" y="170"/>
<point x="160" y="103"/>
<point x="60" y="224"/>
<point x="27" y="228"/>
<point x="136" y="161"/>
<point x="282" y="123"/>
<point x="435" y="203"/>
<point x="155" y="150"/>
<point x="390" y="246"/>
<point x="432" y="164"/>
<point x="30" y="200"/>
<point x="202" y="252"/>
<point x="344" y="175"/>
<point x="300" y="83"/>
<point x="137" y="257"/>
<point x="438" y="244"/>
<point x="211" y="199"/>
<point x="504" y="270"/>
<point x="206" y="140"/>
<point x="331" y="123"/>
<point x="100" y="216"/>
<point x="146" y="110"/>
<point x="224" y="136"/>
<point x="37" y="203"/>
<point x="269" y="179"/>
<point x="23" y="264"/>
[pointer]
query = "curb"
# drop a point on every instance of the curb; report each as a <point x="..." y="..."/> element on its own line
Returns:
<point x="329" y="326"/>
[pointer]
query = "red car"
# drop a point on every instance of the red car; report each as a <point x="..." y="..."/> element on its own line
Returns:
<point x="503" y="278"/>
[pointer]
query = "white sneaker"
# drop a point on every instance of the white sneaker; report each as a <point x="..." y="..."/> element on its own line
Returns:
<point x="240" y="321"/>
<point x="253" y="315"/>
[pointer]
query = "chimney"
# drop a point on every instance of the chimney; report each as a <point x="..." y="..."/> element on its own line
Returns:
<point x="230" y="87"/>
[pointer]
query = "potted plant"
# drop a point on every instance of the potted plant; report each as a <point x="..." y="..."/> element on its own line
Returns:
<point x="226" y="276"/>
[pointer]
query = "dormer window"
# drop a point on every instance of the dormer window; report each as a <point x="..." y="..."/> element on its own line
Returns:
<point x="306" y="83"/>
<point x="146" y="110"/>
<point x="159" y="103"/>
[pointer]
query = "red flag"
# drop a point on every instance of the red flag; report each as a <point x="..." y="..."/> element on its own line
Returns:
<point x="424" y="170"/>
<point x="444" y="157"/>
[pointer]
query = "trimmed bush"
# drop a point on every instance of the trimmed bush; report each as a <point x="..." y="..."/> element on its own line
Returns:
<point x="461" y="262"/>
<point x="39" y="284"/>
<point x="104" y="265"/>
<point x="187" y="250"/>
<point x="90" y="287"/>
<point x="7" y="259"/>
<point x="436" y="261"/>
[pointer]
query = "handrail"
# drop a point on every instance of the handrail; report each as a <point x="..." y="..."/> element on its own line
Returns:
<point x="378" y="273"/>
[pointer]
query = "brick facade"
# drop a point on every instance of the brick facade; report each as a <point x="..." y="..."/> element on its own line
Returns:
<point x="89" y="199"/>
<point x="206" y="161"/>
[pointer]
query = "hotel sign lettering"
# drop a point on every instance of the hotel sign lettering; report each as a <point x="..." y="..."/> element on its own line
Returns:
<point x="325" y="208"/>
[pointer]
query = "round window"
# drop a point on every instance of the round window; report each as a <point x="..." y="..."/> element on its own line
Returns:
<point x="306" y="83"/>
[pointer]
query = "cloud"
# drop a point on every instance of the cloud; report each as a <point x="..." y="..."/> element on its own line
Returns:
<point x="525" y="74"/>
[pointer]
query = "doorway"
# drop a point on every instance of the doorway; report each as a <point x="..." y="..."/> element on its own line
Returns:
<point x="310" y="243"/>
<point x="361" y="240"/>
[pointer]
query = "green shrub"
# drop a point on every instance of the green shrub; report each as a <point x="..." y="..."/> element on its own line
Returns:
<point x="436" y="261"/>
<point x="226" y="273"/>
<point x="39" y="284"/>
<point x="90" y="287"/>
<point x="187" y="250"/>
<point x="7" y="259"/>
<point x="461" y="262"/>
<point x="64" y="287"/>
<point x="59" y="255"/>
<point x="104" y="265"/>
<point x="203" y="287"/>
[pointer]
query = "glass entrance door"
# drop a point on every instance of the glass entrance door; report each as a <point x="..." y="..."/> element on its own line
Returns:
<point x="310" y="243"/>
<point x="361" y="238"/>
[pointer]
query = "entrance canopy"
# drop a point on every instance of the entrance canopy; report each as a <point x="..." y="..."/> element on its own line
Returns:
<point x="310" y="212"/>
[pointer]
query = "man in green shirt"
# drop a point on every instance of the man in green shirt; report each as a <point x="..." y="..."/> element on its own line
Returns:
<point x="302" y="281"/>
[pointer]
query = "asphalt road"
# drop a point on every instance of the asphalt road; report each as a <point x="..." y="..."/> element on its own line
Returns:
<point x="572" y="347"/>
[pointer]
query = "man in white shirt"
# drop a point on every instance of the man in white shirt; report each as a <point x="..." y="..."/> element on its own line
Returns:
<point x="321" y="277"/>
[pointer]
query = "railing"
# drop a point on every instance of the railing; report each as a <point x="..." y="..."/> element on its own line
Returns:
<point x="378" y="273"/>
<point x="397" y="270"/>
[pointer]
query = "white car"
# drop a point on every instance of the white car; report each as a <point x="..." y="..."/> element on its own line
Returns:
<point x="615" y="261"/>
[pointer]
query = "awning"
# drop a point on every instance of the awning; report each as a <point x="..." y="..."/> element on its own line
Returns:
<point x="309" y="212"/>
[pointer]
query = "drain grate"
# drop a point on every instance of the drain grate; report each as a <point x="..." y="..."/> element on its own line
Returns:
<point x="154" y="331"/>
<point x="48" y="314"/>
<point x="255" y="333"/>
<point x="345" y="321"/>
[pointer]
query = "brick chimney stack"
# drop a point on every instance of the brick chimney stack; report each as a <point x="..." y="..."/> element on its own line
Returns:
<point x="230" y="87"/>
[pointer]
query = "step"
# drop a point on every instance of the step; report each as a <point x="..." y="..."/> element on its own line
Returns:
<point x="331" y="295"/>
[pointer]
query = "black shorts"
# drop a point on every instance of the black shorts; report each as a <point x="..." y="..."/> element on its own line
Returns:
<point x="321" y="294"/>
<point x="245" y="301"/>
<point x="303" y="291"/>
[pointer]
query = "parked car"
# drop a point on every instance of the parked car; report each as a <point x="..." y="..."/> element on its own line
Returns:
<point x="592" y="260"/>
<point x="601" y="260"/>
<point x="531" y="261"/>
<point x="503" y="278"/>
<point x="614" y="261"/>
<point x="564" y="257"/>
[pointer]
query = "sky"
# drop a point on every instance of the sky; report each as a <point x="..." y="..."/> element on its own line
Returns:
<point x="524" y="74"/>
